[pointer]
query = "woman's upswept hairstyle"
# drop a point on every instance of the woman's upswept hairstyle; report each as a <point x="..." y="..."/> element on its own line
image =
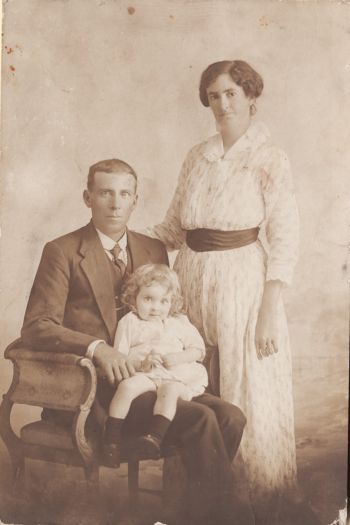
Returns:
<point x="241" y="73"/>
<point x="145" y="276"/>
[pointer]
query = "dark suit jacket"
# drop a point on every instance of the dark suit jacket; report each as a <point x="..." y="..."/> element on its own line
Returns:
<point x="72" y="302"/>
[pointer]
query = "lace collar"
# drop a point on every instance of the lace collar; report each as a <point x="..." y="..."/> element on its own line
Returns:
<point x="256" y="135"/>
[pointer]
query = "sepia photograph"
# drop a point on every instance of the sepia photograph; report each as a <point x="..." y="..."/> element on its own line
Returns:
<point x="174" y="261"/>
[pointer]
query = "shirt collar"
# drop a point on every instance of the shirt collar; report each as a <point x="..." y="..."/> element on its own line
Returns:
<point x="108" y="243"/>
<point x="256" y="134"/>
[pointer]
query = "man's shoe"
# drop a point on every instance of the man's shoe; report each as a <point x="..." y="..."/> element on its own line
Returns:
<point x="147" y="447"/>
<point x="111" y="454"/>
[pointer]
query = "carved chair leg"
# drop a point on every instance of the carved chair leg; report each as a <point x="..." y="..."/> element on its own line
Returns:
<point x="92" y="481"/>
<point x="18" y="466"/>
<point x="133" y="483"/>
<point x="12" y="442"/>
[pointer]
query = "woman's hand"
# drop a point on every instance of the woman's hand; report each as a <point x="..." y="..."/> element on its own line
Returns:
<point x="266" y="331"/>
<point x="266" y="334"/>
<point x="152" y="359"/>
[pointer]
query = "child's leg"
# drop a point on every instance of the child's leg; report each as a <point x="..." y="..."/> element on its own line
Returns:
<point x="167" y="395"/>
<point x="163" y="413"/>
<point x="119" y="407"/>
<point x="127" y="391"/>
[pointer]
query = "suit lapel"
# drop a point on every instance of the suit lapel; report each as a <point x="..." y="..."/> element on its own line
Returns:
<point x="95" y="267"/>
<point x="138" y="251"/>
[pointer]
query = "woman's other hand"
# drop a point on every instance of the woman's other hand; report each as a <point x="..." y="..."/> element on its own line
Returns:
<point x="266" y="331"/>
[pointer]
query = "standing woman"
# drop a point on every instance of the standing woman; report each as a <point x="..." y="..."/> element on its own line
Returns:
<point x="231" y="186"/>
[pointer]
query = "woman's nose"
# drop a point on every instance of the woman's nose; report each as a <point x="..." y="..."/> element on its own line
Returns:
<point x="224" y="103"/>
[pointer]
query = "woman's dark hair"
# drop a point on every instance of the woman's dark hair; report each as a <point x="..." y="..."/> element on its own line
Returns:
<point x="241" y="73"/>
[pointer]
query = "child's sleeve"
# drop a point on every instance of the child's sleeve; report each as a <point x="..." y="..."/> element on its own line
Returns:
<point x="191" y="336"/>
<point x="122" y="340"/>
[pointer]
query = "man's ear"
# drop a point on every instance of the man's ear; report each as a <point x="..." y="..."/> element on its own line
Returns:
<point x="87" y="199"/>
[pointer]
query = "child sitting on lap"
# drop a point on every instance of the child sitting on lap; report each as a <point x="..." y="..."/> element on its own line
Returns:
<point x="164" y="347"/>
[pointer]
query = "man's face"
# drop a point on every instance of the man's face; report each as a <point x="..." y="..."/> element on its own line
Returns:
<point x="111" y="199"/>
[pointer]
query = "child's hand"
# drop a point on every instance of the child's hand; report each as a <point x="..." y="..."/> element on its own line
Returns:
<point x="173" y="359"/>
<point x="152" y="359"/>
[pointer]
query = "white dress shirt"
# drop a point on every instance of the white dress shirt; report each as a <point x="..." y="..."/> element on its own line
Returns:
<point x="108" y="244"/>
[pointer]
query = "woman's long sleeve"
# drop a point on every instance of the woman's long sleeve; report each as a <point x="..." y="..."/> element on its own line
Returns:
<point x="282" y="218"/>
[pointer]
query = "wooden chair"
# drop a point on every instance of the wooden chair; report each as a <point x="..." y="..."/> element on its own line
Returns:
<point x="63" y="382"/>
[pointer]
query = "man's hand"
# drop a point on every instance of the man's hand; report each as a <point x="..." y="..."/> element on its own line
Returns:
<point x="114" y="365"/>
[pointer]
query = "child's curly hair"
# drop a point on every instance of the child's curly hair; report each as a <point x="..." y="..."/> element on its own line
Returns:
<point x="145" y="276"/>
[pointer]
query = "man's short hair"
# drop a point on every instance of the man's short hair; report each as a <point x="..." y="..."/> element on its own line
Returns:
<point x="109" y="166"/>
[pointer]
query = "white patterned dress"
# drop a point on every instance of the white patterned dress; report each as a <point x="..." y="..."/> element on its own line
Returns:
<point x="249" y="186"/>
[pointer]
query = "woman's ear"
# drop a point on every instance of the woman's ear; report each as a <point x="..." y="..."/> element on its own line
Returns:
<point x="252" y="107"/>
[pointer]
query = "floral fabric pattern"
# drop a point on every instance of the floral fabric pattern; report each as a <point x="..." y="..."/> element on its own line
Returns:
<point x="250" y="185"/>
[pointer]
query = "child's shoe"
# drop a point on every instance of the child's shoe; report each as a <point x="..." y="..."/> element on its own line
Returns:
<point x="111" y="454"/>
<point x="147" y="447"/>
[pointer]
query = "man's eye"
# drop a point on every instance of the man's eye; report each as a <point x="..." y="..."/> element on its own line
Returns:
<point x="231" y="93"/>
<point x="125" y="193"/>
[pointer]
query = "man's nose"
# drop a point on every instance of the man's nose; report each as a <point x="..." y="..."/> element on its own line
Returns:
<point x="115" y="201"/>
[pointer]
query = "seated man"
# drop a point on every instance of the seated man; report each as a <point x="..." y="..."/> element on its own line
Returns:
<point x="74" y="307"/>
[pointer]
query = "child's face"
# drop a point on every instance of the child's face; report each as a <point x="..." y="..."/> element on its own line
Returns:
<point x="153" y="302"/>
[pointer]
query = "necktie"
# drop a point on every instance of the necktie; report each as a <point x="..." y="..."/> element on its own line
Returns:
<point x="118" y="262"/>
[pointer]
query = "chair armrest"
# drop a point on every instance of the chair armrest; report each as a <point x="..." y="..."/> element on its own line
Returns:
<point x="51" y="380"/>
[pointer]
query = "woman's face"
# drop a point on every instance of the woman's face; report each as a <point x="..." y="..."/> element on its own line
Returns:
<point x="228" y="101"/>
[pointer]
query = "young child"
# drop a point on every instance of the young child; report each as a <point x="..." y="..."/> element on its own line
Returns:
<point x="164" y="347"/>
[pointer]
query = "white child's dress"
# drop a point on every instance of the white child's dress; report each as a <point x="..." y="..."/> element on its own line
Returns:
<point x="136" y="338"/>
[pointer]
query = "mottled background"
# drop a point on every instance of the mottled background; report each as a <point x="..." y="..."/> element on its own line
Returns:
<point x="84" y="80"/>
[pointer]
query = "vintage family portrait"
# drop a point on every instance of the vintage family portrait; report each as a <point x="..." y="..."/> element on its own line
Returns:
<point x="175" y="205"/>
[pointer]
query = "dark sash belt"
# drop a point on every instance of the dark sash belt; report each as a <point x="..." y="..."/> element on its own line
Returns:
<point x="204" y="240"/>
